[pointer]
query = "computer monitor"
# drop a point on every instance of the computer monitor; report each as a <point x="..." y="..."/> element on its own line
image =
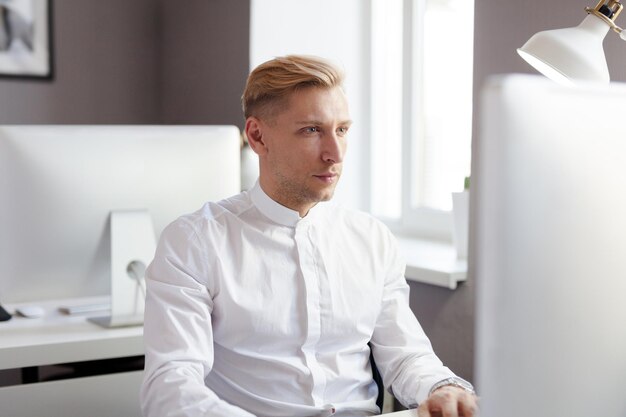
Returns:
<point x="59" y="186"/>
<point x="550" y="249"/>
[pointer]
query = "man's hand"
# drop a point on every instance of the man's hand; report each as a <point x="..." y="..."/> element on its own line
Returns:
<point x="449" y="401"/>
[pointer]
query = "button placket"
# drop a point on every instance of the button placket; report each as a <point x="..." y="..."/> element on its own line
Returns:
<point x="310" y="273"/>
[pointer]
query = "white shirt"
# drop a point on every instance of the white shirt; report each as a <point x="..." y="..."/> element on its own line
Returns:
<point x="252" y="310"/>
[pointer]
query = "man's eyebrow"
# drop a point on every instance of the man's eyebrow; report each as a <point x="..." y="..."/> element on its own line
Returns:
<point x="319" y="122"/>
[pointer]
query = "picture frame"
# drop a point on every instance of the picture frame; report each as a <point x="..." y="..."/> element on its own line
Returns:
<point x="26" y="39"/>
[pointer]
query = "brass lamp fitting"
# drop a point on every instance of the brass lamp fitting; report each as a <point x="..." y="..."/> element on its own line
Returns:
<point x="607" y="10"/>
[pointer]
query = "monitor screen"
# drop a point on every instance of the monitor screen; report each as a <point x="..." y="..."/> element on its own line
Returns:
<point x="59" y="184"/>
<point x="549" y="190"/>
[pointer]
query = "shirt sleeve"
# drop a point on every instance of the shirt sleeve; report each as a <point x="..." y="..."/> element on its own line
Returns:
<point x="178" y="334"/>
<point x="401" y="349"/>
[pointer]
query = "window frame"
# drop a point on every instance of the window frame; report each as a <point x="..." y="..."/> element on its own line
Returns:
<point x="414" y="222"/>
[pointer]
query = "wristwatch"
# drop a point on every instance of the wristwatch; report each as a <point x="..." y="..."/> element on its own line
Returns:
<point x="455" y="382"/>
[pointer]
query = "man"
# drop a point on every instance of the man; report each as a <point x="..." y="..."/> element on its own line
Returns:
<point x="267" y="303"/>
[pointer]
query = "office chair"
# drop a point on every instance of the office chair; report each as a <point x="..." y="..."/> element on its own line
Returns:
<point x="379" y="381"/>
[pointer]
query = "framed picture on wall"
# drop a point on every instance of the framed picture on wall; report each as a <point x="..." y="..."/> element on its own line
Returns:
<point x="26" y="39"/>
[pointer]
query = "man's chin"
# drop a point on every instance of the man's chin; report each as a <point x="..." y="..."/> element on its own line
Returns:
<point x="316" y="194"/>
<point x="326" y="195"/>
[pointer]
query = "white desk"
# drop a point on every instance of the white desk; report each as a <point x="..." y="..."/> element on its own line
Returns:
<point x="407" y="413"/>
<point x="57" y="339"/>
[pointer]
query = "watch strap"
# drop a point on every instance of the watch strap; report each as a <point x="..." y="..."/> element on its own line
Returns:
<point x="454" y="381"/>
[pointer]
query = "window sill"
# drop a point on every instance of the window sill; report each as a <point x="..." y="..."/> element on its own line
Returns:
<point x="432" y="262"/>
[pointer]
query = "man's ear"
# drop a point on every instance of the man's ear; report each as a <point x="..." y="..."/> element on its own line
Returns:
<point x="254" y="134"/>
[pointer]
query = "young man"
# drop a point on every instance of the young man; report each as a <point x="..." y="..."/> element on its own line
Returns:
<point x="267" y="303"/>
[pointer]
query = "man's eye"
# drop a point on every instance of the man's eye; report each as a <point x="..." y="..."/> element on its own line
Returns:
<point x="311" y="129"/>
<point x="342" y="131"/>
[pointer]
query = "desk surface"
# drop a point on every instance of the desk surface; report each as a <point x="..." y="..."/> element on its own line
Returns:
<point x="407" y="413"/>
<point x="58" y="338"/>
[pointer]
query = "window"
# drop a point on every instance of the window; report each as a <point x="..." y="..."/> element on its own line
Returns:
<point x="422" y="58"/>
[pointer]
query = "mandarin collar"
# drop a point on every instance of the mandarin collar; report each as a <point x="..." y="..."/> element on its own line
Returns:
<point x="279" y="213"/>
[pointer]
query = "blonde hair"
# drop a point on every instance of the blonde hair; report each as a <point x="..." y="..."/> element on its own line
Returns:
<point x="270" y="83"/>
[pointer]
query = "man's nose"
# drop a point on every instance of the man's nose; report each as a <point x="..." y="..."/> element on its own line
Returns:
<point x="334" y="148"/>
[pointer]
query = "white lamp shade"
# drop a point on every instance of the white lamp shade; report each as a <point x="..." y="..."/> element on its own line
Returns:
<point x="571" y="54"/>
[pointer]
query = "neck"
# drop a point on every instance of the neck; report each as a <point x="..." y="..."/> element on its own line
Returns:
<point x="301" y="207"/>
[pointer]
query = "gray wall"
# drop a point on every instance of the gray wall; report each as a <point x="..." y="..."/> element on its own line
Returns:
<point x="448" y="319"/>
<point x="140" y="61"/>
<point x="204" y="60"/>
<point x="105" y="55"/>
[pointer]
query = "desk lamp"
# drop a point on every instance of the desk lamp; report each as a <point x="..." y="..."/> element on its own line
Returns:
<point x="576" y="53"/>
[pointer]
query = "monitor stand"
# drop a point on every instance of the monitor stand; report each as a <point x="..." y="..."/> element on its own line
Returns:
<point x="133" y="245"/>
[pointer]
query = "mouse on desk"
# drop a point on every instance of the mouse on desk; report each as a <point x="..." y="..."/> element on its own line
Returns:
<point x="4" y="315"/>
<point x="30" y="312"/>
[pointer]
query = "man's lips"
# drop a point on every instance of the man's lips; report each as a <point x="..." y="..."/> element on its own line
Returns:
<point x="327" y="177"/>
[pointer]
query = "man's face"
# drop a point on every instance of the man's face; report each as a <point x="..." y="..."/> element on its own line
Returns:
<point x="304" y="148"/>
